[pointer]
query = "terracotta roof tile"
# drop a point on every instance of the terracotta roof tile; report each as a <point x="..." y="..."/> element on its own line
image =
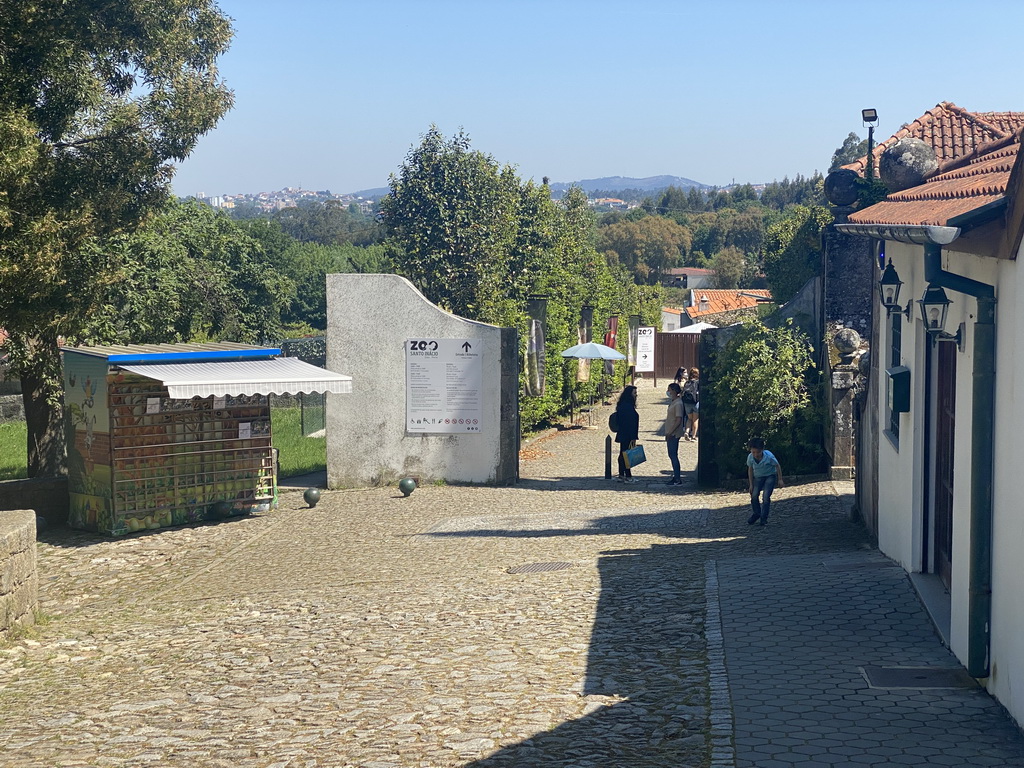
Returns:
<point x="689" y="271"/>
<point x="951" y="131"/>
<point x="721" y="300"/>
<point x="960" y="187"/>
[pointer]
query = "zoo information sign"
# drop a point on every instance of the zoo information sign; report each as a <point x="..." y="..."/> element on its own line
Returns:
<point x="644" y="349"/>
<point x="443" y="379"/>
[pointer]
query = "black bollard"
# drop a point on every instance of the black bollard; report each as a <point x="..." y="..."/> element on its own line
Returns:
<point x="608" y="457"/>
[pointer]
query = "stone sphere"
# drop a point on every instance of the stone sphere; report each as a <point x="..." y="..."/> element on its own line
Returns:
<point x="406" y="485"/>
<point x="841" y="187"/>
<point x="312" y="496"/>
<point x="220" y="510"/>
<point x="846" y="340"/>
<point x="907" y="163"/>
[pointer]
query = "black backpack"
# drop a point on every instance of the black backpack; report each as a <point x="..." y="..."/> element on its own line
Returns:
<point x="613" y="421"/>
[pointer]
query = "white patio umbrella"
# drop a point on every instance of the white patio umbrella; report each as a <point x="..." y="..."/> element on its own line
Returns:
<point x="593" y="351"/>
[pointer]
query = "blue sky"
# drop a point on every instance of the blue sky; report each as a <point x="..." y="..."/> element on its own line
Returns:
<point x="332" y="94"/>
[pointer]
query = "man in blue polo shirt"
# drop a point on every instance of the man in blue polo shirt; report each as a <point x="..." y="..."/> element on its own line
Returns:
<point x="764" y="475"/>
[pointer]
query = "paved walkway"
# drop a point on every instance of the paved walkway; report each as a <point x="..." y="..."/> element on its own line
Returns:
<point x="569" y="621"/>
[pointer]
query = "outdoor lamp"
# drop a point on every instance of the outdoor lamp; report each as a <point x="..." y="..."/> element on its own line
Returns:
<point x="889" y="289"/>
<point x="934" y="308"/>
<point x="869" y="115"/>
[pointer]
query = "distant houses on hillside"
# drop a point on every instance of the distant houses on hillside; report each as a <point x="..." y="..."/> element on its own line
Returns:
<point x="289" y="197"/>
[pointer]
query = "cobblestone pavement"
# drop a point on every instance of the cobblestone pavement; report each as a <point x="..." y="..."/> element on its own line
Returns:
<point x="802" y="632"/>
<point x="378" y="631"/>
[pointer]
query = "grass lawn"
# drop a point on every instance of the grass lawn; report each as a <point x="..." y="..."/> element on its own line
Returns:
<point x="13" y="450"/>
<point x="297" y="454"/>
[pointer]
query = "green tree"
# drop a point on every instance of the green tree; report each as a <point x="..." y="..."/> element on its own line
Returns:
<point x="477" y="240"/>
<point x="766" y="386"/>
<point x="852" y="149"/>
<point x="97" y="98"/>
<point x="730" y="267"/>
<point x="646" y="248"/>
<point x="328" y="223"/>
<point x="190" y="274"/>
<point x="450" y="219"/>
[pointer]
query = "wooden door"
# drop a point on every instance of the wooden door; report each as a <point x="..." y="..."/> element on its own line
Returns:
<point x="675" y="350"/>
<point x="945" y="412"/>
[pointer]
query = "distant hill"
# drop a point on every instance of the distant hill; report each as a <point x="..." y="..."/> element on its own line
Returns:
<point x="606" y="184"/>
<point x="376" y="192"/>
<point x="649" y="184"/>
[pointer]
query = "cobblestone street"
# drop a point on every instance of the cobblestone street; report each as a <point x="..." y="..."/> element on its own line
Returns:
<point x="377" y="630"/>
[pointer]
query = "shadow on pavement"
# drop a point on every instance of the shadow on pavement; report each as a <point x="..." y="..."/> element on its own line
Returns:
<point x="696" y="523"/>
<point x="646" y="675"/>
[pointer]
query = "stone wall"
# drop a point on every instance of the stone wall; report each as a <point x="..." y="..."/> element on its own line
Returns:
<point x="12" y="408"/>
<point x="48" y="496"/>
<point x="19" y="580"/>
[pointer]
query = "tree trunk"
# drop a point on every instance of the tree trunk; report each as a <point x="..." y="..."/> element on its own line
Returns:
<point x="44" y="417"/>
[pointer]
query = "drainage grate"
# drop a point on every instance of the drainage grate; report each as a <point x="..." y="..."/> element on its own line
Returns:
<point x="917" y="677"/>
<point x="539" y="567"/>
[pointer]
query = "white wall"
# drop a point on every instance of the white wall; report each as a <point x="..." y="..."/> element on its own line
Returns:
<point x="369" y="319"/>
<point x="899" y="499"/>
<point x="901" y="473"/>
<point x="1007" y="678"/>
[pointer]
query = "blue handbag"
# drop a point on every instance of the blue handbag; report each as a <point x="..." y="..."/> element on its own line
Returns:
<point x="634" y="456"/>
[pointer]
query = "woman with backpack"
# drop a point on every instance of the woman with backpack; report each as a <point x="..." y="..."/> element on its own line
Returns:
<point x="627" y="430"/>
<point x="691" y="403"/>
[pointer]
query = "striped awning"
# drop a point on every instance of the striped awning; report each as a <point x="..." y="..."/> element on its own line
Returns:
<point x="279" y="376"/>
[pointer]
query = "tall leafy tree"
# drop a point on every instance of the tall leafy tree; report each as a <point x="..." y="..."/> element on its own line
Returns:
<point x="730" y="268"/>
<point x="190" y="273"/>
<point x="646" y="248"/>
<point x="451" y="218"/>
<point x="97" y="99"/>
<point x="852" y="148"/>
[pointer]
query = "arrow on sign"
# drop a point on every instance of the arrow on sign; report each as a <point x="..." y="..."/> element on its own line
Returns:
<point x="466" y="346"/>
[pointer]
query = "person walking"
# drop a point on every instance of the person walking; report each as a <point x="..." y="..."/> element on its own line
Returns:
<point x="764" y="475"/>
<point x="628" y="430"/>
<point x="675" y="426"/>
<point x="691" y="403"/>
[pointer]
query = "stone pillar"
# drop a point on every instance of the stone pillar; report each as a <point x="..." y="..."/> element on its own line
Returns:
<point x="844" y="371"/>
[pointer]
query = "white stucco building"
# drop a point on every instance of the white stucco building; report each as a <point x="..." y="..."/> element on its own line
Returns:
<point x="950" y="403"/>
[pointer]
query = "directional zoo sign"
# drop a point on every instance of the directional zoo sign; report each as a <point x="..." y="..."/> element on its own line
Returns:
<point x="644" y="349"/>
<point x="443" y="385"/>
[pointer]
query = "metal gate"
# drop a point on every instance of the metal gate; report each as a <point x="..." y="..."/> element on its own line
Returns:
<point x="672" y="350"/>
<point x="313" y="405"/>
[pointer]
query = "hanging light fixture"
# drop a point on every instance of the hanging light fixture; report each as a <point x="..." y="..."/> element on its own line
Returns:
<point x="934" y="306"/>
<point x="889" y="290"/>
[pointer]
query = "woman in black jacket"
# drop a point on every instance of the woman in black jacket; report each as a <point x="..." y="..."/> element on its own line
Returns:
<point x="629" y="430"/>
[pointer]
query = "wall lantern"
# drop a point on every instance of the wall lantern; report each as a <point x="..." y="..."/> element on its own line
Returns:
<point x="934" y="308"/>
<point x="889" y="289"/>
